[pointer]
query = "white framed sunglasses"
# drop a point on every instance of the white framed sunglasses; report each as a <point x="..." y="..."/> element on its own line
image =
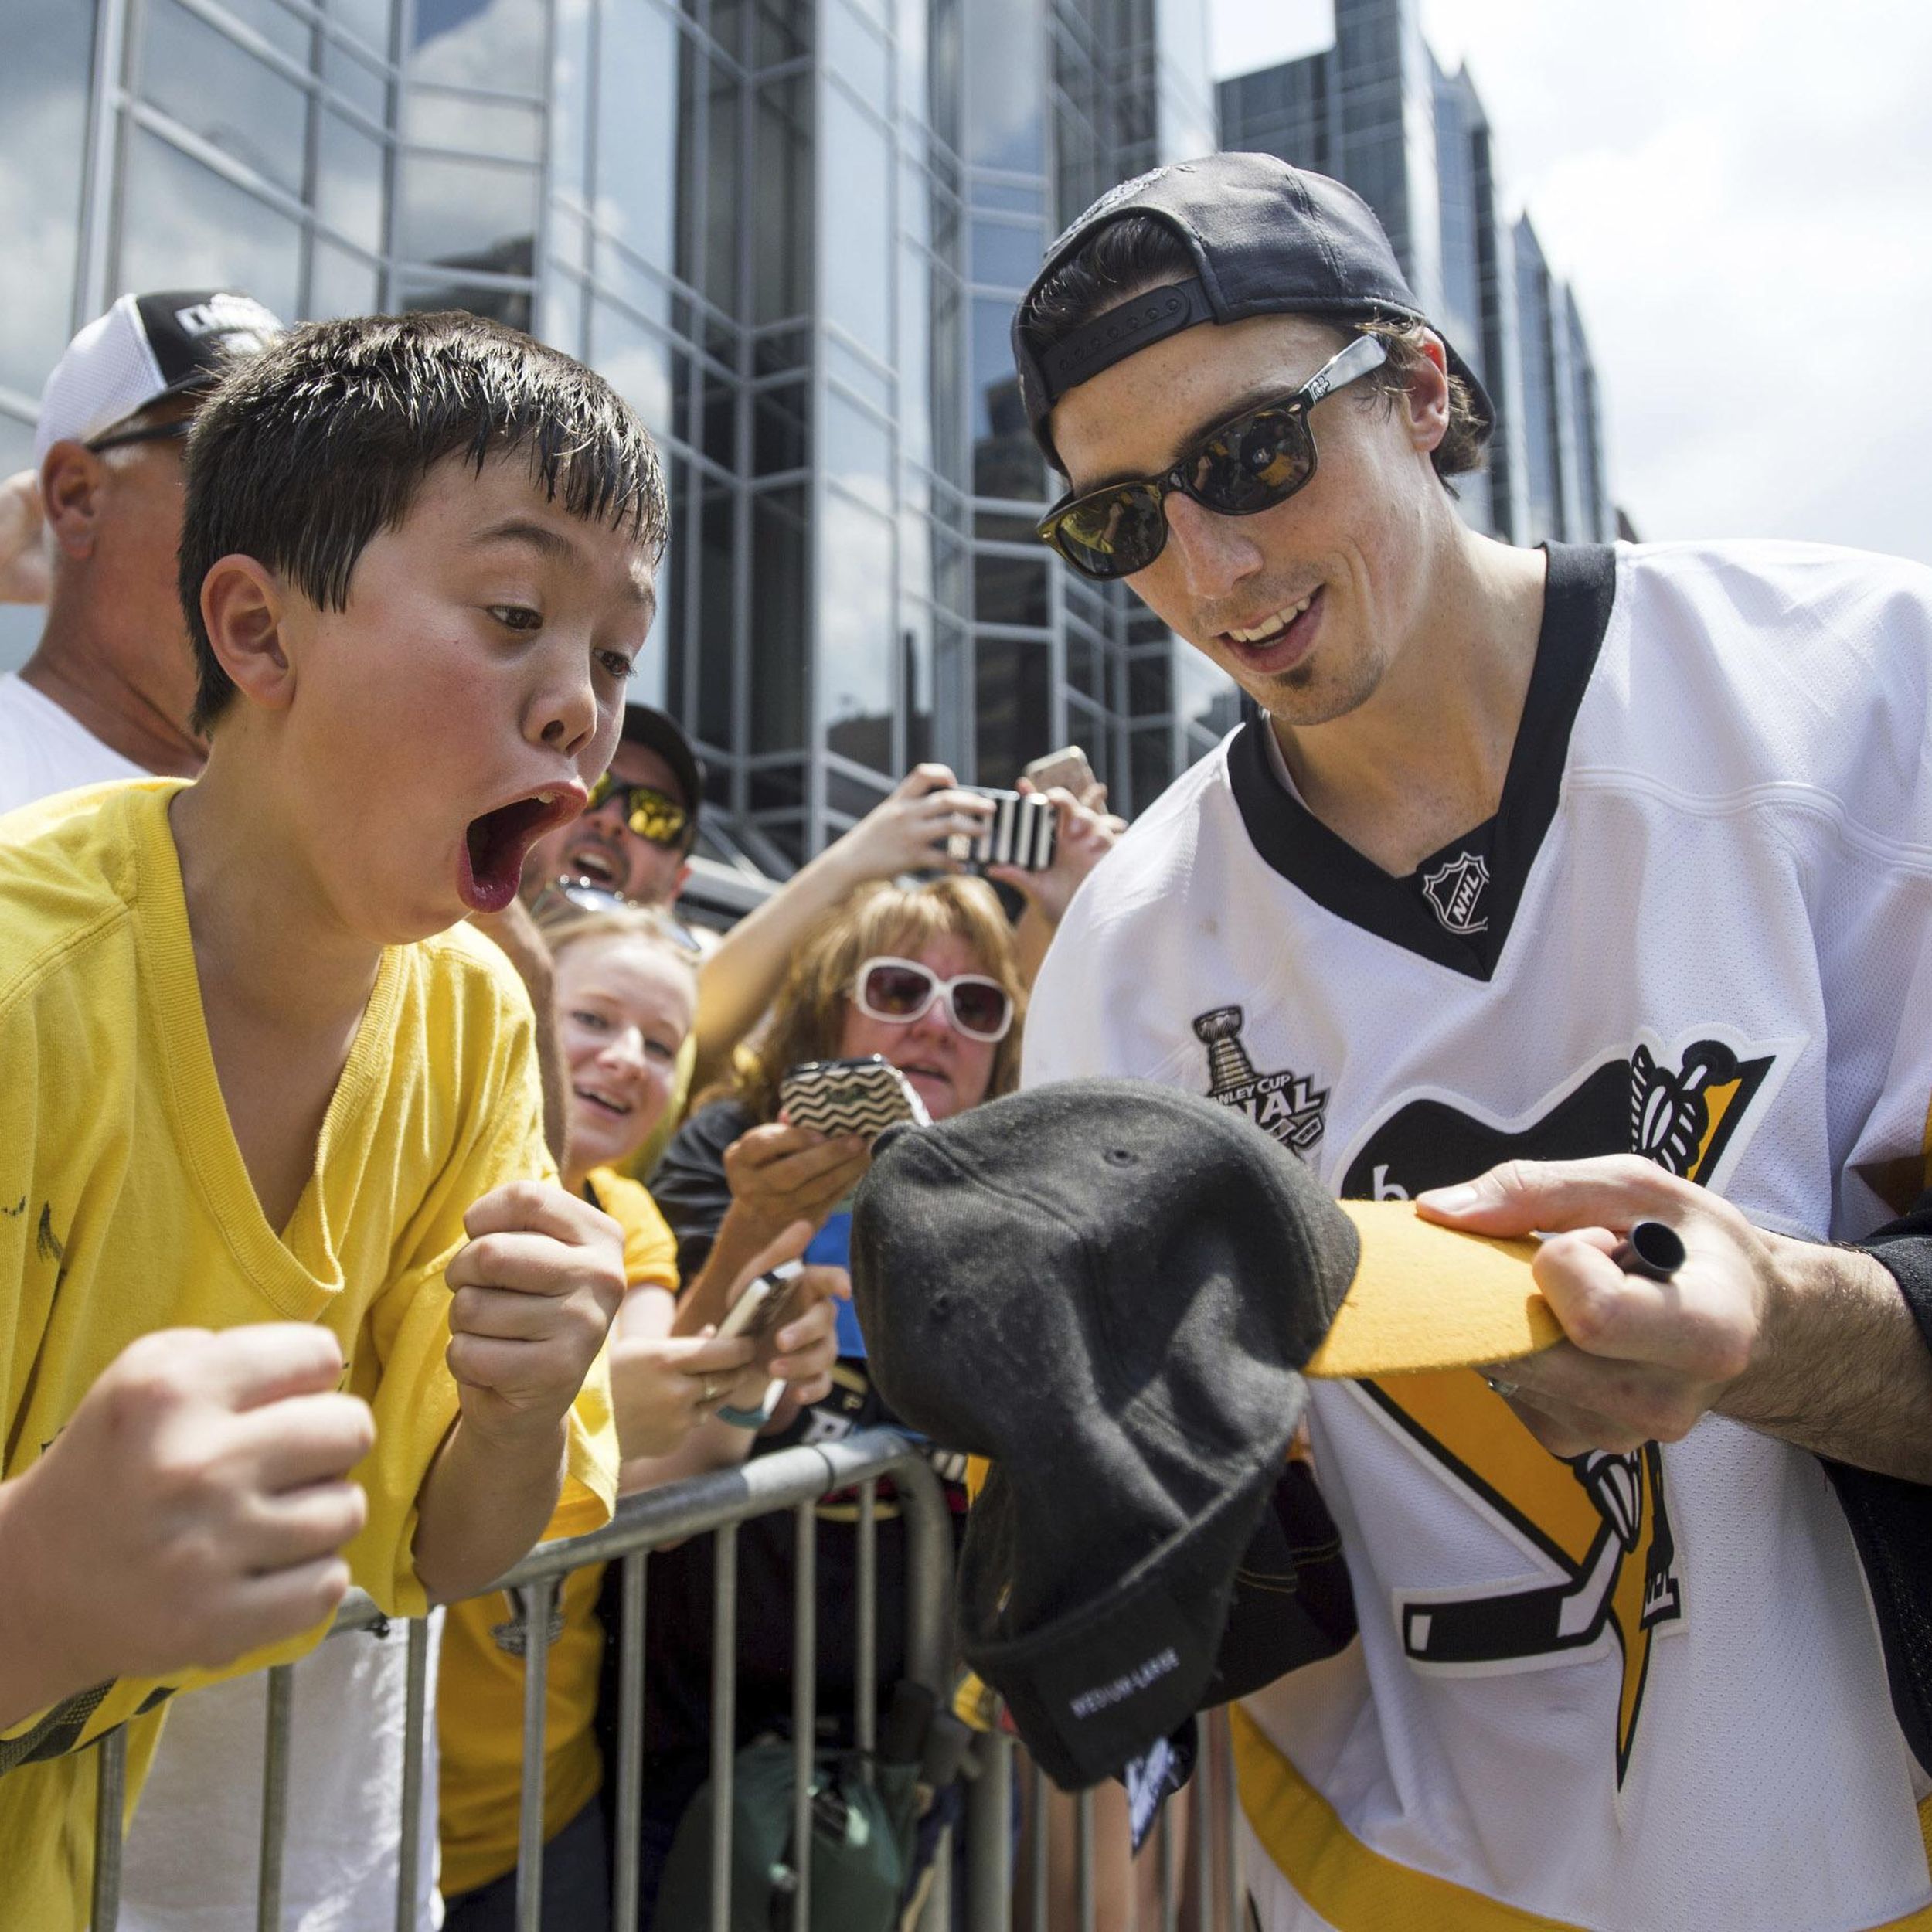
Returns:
<point x="899" y="991"/>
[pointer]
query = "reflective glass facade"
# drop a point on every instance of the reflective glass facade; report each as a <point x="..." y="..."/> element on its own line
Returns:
<point x="1377" y="111"/>
<point x="791" y="232"/>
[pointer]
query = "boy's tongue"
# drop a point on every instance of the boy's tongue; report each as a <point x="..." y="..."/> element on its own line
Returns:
<point x="493" y="850"/>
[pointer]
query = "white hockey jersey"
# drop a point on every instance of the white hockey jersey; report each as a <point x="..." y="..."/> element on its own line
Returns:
<point x="1638" y="1693"/>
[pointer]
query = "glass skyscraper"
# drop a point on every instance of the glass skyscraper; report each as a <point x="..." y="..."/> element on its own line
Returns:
<point x="1377" y="111"/>
<point x="791" y="232"/>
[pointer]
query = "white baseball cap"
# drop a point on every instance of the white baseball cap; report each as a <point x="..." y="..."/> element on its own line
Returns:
<point x="145" y="347"/>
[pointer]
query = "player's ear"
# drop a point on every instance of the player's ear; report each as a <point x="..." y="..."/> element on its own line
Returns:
<point x="1426" y="393"/>
<point x="245" y="610"/>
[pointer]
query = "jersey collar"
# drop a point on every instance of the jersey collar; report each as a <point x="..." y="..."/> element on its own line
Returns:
<point x="1456" y="908"/>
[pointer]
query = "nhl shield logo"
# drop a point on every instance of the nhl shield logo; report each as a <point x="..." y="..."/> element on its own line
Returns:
<point x="1455" y="890"/>
<point x="1286" y="1105"/>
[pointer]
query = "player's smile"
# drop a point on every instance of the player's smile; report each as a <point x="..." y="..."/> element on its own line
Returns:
<point x="1279" y="641"/>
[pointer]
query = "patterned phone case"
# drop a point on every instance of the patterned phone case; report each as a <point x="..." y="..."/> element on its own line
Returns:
<point x="1021" y="832"/>
<point x="850" y="1096"/>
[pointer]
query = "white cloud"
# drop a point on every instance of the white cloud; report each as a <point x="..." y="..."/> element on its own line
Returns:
<point x="1740" y="193"/>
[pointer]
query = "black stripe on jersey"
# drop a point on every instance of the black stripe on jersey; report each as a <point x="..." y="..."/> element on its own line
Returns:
<point x="1577" y="595"/>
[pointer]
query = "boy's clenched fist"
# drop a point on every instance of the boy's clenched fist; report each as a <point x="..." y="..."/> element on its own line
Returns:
<point x="535" y="1292"/>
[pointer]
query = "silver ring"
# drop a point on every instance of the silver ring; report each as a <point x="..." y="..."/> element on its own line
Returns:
<point x="1504" y="1388"/>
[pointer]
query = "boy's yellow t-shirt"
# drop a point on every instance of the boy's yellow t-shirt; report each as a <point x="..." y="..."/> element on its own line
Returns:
<point x="479" y="1713"/>
<point x="125" y="1207"/>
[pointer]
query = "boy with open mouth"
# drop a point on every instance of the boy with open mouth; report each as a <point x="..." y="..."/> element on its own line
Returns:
<point x="288" y="1296"/>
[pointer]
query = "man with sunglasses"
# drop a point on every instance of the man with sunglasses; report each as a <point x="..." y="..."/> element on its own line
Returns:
<point x="634" y="838"/>
<point x="107" y="693"/>
<point x="1561" y="889"/>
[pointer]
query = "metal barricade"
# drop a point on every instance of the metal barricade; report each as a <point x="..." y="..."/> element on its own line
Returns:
<point x="792" y="1480"/>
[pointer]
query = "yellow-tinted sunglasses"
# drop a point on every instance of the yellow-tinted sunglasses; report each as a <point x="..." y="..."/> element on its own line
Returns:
<point x="649" y="812"/>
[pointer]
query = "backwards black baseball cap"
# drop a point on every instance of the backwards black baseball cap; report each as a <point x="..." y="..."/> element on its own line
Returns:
<point x="1266" y="239"/>
<point x="1113" y="1290"/>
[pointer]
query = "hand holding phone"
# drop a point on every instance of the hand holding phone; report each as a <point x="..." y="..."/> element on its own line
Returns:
<point x="1067" y="768"/>
<point x="863" y="1097"/>
<point x="1022" y="831"/>
<point x="764" y="1306"/>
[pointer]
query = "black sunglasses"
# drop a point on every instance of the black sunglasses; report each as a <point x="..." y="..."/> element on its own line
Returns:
<point x="175" y="432"/>
<point x="1250" y="463"/>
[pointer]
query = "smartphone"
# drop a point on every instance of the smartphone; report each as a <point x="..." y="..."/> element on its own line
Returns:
<point x="1067" y="768"/>
<point x="863" y="1096"/>
<point x="1022" y="831"/>
<point x="763" y="1305"/>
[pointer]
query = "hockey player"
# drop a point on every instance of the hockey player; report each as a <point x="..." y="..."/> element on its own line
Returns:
<point x="1567" y="886"/>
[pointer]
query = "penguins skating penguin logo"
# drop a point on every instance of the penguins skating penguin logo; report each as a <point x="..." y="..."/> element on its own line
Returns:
<point x="1609" y="1581"/>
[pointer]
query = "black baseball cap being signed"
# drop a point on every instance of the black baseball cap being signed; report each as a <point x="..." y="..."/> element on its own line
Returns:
<point x="1266" y="239"/>
<point x="1113" y="1291"/>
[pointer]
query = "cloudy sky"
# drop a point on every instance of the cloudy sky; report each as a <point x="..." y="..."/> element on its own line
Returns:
<point x="1741" y="195"/>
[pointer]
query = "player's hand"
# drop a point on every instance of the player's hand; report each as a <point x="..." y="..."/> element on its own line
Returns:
<point x="533" y="1294"/>
<point x="907" y="830"/>
<point x="193" y="1509"/>
<point x="1085" y="835"/>
<point x="1643" y="1359"/>
<point x="24" y="577"/>
<point x="779" y="1174"/>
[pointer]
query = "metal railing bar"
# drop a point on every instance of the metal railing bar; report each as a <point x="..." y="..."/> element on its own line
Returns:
<point x="624" y="1882"/>
<point x="865" y="1664"/>
<point x="268" y="1881"/>
<point x="1223" y="1733"/>
<point x="1164" y="1873"/>
<point x="1205" y="1782"/>
<point x="989" y="1849"/>
<point x="936" y="1915"/>
<point x="1039" y="1799"/>
<point x="796" y="1479"/>
<point x="698" y="1504"/>
<point x="1083" y="1860"/>
<point x="724" y="1720"/>
<point x="805" y="1714"/>
<point x="110" y="1802"/>
<point x="537" y="1599"/>
<point x="929" y="1575"/>
<point x="416" y="1700"/>
<point x="701" y="1503"/>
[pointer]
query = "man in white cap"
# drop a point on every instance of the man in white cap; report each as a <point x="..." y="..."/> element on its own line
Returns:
<point x="107" y="691"/>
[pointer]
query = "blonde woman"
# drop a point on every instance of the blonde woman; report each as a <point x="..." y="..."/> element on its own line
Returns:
<point x="626" y="992"/>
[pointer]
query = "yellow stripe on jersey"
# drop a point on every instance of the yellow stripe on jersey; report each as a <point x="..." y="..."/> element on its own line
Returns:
<point x="1353" y="1888"/>
<point x="1357" y="1889"/>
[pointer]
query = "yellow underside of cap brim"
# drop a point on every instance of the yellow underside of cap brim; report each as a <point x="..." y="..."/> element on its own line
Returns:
<point x="1426" y="1296"/>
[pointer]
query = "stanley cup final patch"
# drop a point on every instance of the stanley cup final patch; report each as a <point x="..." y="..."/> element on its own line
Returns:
<point x="1289" y="1105"/>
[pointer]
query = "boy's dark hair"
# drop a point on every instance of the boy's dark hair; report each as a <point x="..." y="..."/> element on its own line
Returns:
<point x="1128" y="256"/>
<point x="312" y="446"/>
